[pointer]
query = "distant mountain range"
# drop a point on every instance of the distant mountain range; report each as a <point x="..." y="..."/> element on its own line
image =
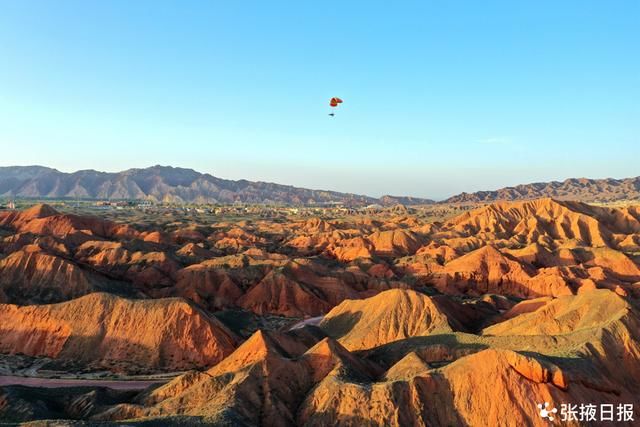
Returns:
<point x="582" y="189"/>
<point x="169" y="184"/>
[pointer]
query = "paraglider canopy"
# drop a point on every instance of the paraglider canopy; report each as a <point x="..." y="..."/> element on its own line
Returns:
<point x="335" y="101"/>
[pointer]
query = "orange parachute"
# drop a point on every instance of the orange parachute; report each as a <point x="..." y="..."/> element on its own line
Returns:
<point x="335" y="101"/>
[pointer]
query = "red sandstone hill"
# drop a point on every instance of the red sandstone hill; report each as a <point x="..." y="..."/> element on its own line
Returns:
<point x="44" y="220"/>
<point x="522" y="249"/>
<point x="534" y="248"/>
<point x="438" y="377"/>
<point x="418" y="323"/>
<point x="389" y="316"/>
<point x="115" y="333"/>
<point x="31" y="275"/>
<point x="547" y="220"/>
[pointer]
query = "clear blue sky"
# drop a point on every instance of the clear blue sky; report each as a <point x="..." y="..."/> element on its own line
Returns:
<point x="439" y="96"/>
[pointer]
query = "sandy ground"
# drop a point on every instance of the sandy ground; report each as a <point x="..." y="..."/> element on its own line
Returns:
<point x="6" y="380"/>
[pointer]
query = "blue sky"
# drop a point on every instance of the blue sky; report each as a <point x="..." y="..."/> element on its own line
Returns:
<point x="439" y="97"/>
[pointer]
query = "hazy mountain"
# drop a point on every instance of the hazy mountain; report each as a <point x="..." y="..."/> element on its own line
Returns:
<point x="583" y="189"/>
<point x="161" y="183"/>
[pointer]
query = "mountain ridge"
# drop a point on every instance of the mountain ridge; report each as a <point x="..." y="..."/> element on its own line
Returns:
<point x="581" y="189"/>
<point x="180" y="185"/>
<point x="170" y="184"/>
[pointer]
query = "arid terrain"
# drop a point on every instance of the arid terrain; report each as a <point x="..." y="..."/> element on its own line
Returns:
<point x="434" y="316"/>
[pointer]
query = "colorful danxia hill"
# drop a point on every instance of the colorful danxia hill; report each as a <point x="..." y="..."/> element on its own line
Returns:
<point x="359" y="319"/>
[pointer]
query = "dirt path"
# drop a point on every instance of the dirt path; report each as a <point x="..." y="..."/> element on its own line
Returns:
<point x="58" y="383"/>
<point x="311" y="321"/>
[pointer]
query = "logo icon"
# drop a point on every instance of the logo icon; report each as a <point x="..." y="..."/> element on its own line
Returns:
<point x="546" y="411"/>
